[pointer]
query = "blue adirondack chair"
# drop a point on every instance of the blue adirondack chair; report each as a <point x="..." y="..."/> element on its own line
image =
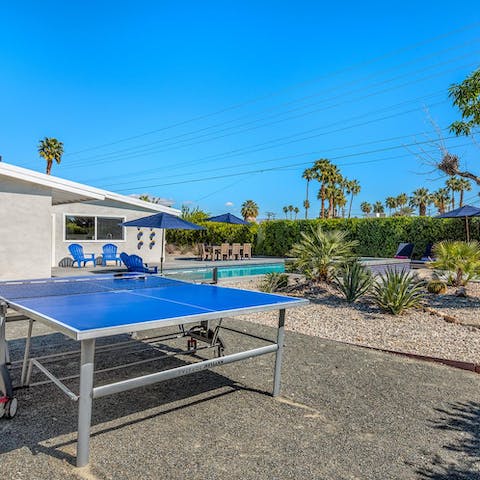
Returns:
<point x="110" y="254"/>
<point x="76" y="251"/>
<point x="134" y="263"/>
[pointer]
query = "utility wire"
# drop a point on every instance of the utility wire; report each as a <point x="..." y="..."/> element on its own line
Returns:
<point x="280" y="91"/>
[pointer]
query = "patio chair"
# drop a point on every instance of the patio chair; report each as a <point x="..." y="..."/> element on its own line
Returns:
<point x="76" y="251"/>
<point x="224" y="251"/>
<point x="428" y="254"/>
<point x="236" y="251"/>
<point x="247" y="250"/>
<point x="134" y="263"/>
<point x="204" y="253"/>
<point x="110" y="254"/>
<point x="404" y="250"/>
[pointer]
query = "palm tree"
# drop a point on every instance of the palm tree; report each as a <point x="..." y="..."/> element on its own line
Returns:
<point x="322" y="169"/>
<point x="421" y="198"/>
<point x="50" y="149"/>
<point x="353" y="188"/>
<point x="454" y="184"/>
<point x="404" y="212"/>
<point x="308" y="174"/>
<point x="366" y="208"/>
<point x="285" y="211"/>
<point x="320" y="253"/>
<point x="296" y="210"/>
<point x="249" y="210"/>
<point x="306" y="206"/>
<point x="270" y="215"/>
<point x="402" y="200"/>
<point x="463" y="185"/>
<point x="391" y="203"/>
<point x="440" y="199"/>
<point x="290" y="209"/>
<point x="378" y="208"/>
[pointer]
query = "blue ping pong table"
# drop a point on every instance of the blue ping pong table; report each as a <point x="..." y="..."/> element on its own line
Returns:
<point x="90" y="308"/>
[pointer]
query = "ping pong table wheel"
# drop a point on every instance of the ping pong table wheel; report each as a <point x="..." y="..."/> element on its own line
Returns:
<point x="11" y="408"/>
<point x="192" y="344"/>
<point x="8" y="407"/>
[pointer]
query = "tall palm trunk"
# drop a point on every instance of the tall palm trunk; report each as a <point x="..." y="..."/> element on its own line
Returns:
<point x="461" y="198"/>
<point x="306" y="203"/>
<point x="350" y="206"/>
<point x="322" y="201"/>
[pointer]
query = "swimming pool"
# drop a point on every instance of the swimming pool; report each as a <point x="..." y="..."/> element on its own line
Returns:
<point x="204" y="273"/>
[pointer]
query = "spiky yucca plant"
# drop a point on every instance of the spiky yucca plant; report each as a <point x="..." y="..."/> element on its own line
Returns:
<point x="353" y="280"/>
<point x="320" y="253"/>
<point x="273" y="282"/>
<point x="460" y="259"/>
<point x="396" y="291"/>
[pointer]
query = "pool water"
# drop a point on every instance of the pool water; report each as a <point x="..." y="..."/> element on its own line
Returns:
<point x="193" y="274"/>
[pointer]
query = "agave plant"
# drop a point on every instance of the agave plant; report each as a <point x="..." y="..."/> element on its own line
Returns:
<point x="320" y="253"/>
<point x="396" y="291"/>
<point x="273" y="282"/>
<point x="353" y="280"/>
<point x="459" y="260"/>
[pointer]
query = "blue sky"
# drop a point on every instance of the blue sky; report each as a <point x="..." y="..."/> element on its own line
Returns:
<point x="213" y="103"/>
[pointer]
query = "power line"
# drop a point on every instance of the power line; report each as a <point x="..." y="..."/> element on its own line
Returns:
<point x="278" y="92"/>
<point x="262" y="170"/>
<point x="139" y="151"/>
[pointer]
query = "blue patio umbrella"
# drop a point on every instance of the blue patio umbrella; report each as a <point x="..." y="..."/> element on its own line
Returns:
<point x="465" y="211"/>
<point x="165" y="221"/>
<point x="227" y="218"/>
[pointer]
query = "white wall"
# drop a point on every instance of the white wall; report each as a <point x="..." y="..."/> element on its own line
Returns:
<point x="25" y="230"/>
<point x="148" y="249"/>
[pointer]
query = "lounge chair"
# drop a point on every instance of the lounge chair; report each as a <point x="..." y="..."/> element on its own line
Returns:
<point x="76" y="251"/>
<point x="428" y="255"/>
<point x="404" y="250"/>
<point x="247" y="250"/>
<point x="134" y="263"/>
<point x="110" y="254"/>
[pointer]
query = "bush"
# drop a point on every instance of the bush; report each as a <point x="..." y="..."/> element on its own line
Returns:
<point x="437" y="287"/>
<point x="274" y="282"/>
<point x="395" y="292"/>
<point x="320" y="253"/>
<point x="377" y="237"/>
<point x="353" y="280"/>
<point x="460" y="261"/>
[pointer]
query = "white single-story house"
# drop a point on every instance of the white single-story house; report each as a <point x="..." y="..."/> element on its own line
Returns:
<point x="40" y="215"/>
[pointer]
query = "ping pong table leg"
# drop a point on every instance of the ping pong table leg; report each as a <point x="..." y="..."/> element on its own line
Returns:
<point x="85" y="401"/>
<point x="279" y="354"/>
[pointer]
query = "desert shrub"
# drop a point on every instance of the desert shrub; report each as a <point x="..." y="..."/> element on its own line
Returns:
<point x="320" y="253"/>
<point x="459" y="261"/>
<point x="436" y="286"/>
<point x="397" y="291"/>
<point x="353" y="280"/>
<point x="274" y="282"/>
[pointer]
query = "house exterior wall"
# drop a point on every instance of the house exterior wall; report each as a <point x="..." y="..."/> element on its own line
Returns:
<point x="133" y="243"/>
<point x="25" y="230"/>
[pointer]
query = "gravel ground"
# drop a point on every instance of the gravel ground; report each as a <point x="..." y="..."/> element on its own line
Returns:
<point x="416" y="331"/>
<point x="345" y="414"/>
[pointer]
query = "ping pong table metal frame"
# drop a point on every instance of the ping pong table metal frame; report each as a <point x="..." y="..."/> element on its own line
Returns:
<point x="87" y="390"/>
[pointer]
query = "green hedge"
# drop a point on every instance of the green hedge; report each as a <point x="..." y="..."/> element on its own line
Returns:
<point x="214" y="234"/>
<point x="377" y="237"/>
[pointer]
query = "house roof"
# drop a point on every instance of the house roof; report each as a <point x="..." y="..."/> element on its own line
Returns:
<point x="65" y="191"/>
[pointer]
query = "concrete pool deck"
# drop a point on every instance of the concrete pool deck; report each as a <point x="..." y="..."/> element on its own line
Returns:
<point x="344" y="413"/>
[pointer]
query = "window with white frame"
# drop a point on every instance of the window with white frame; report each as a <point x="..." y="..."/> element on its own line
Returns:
<point x="84" y="228"/>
